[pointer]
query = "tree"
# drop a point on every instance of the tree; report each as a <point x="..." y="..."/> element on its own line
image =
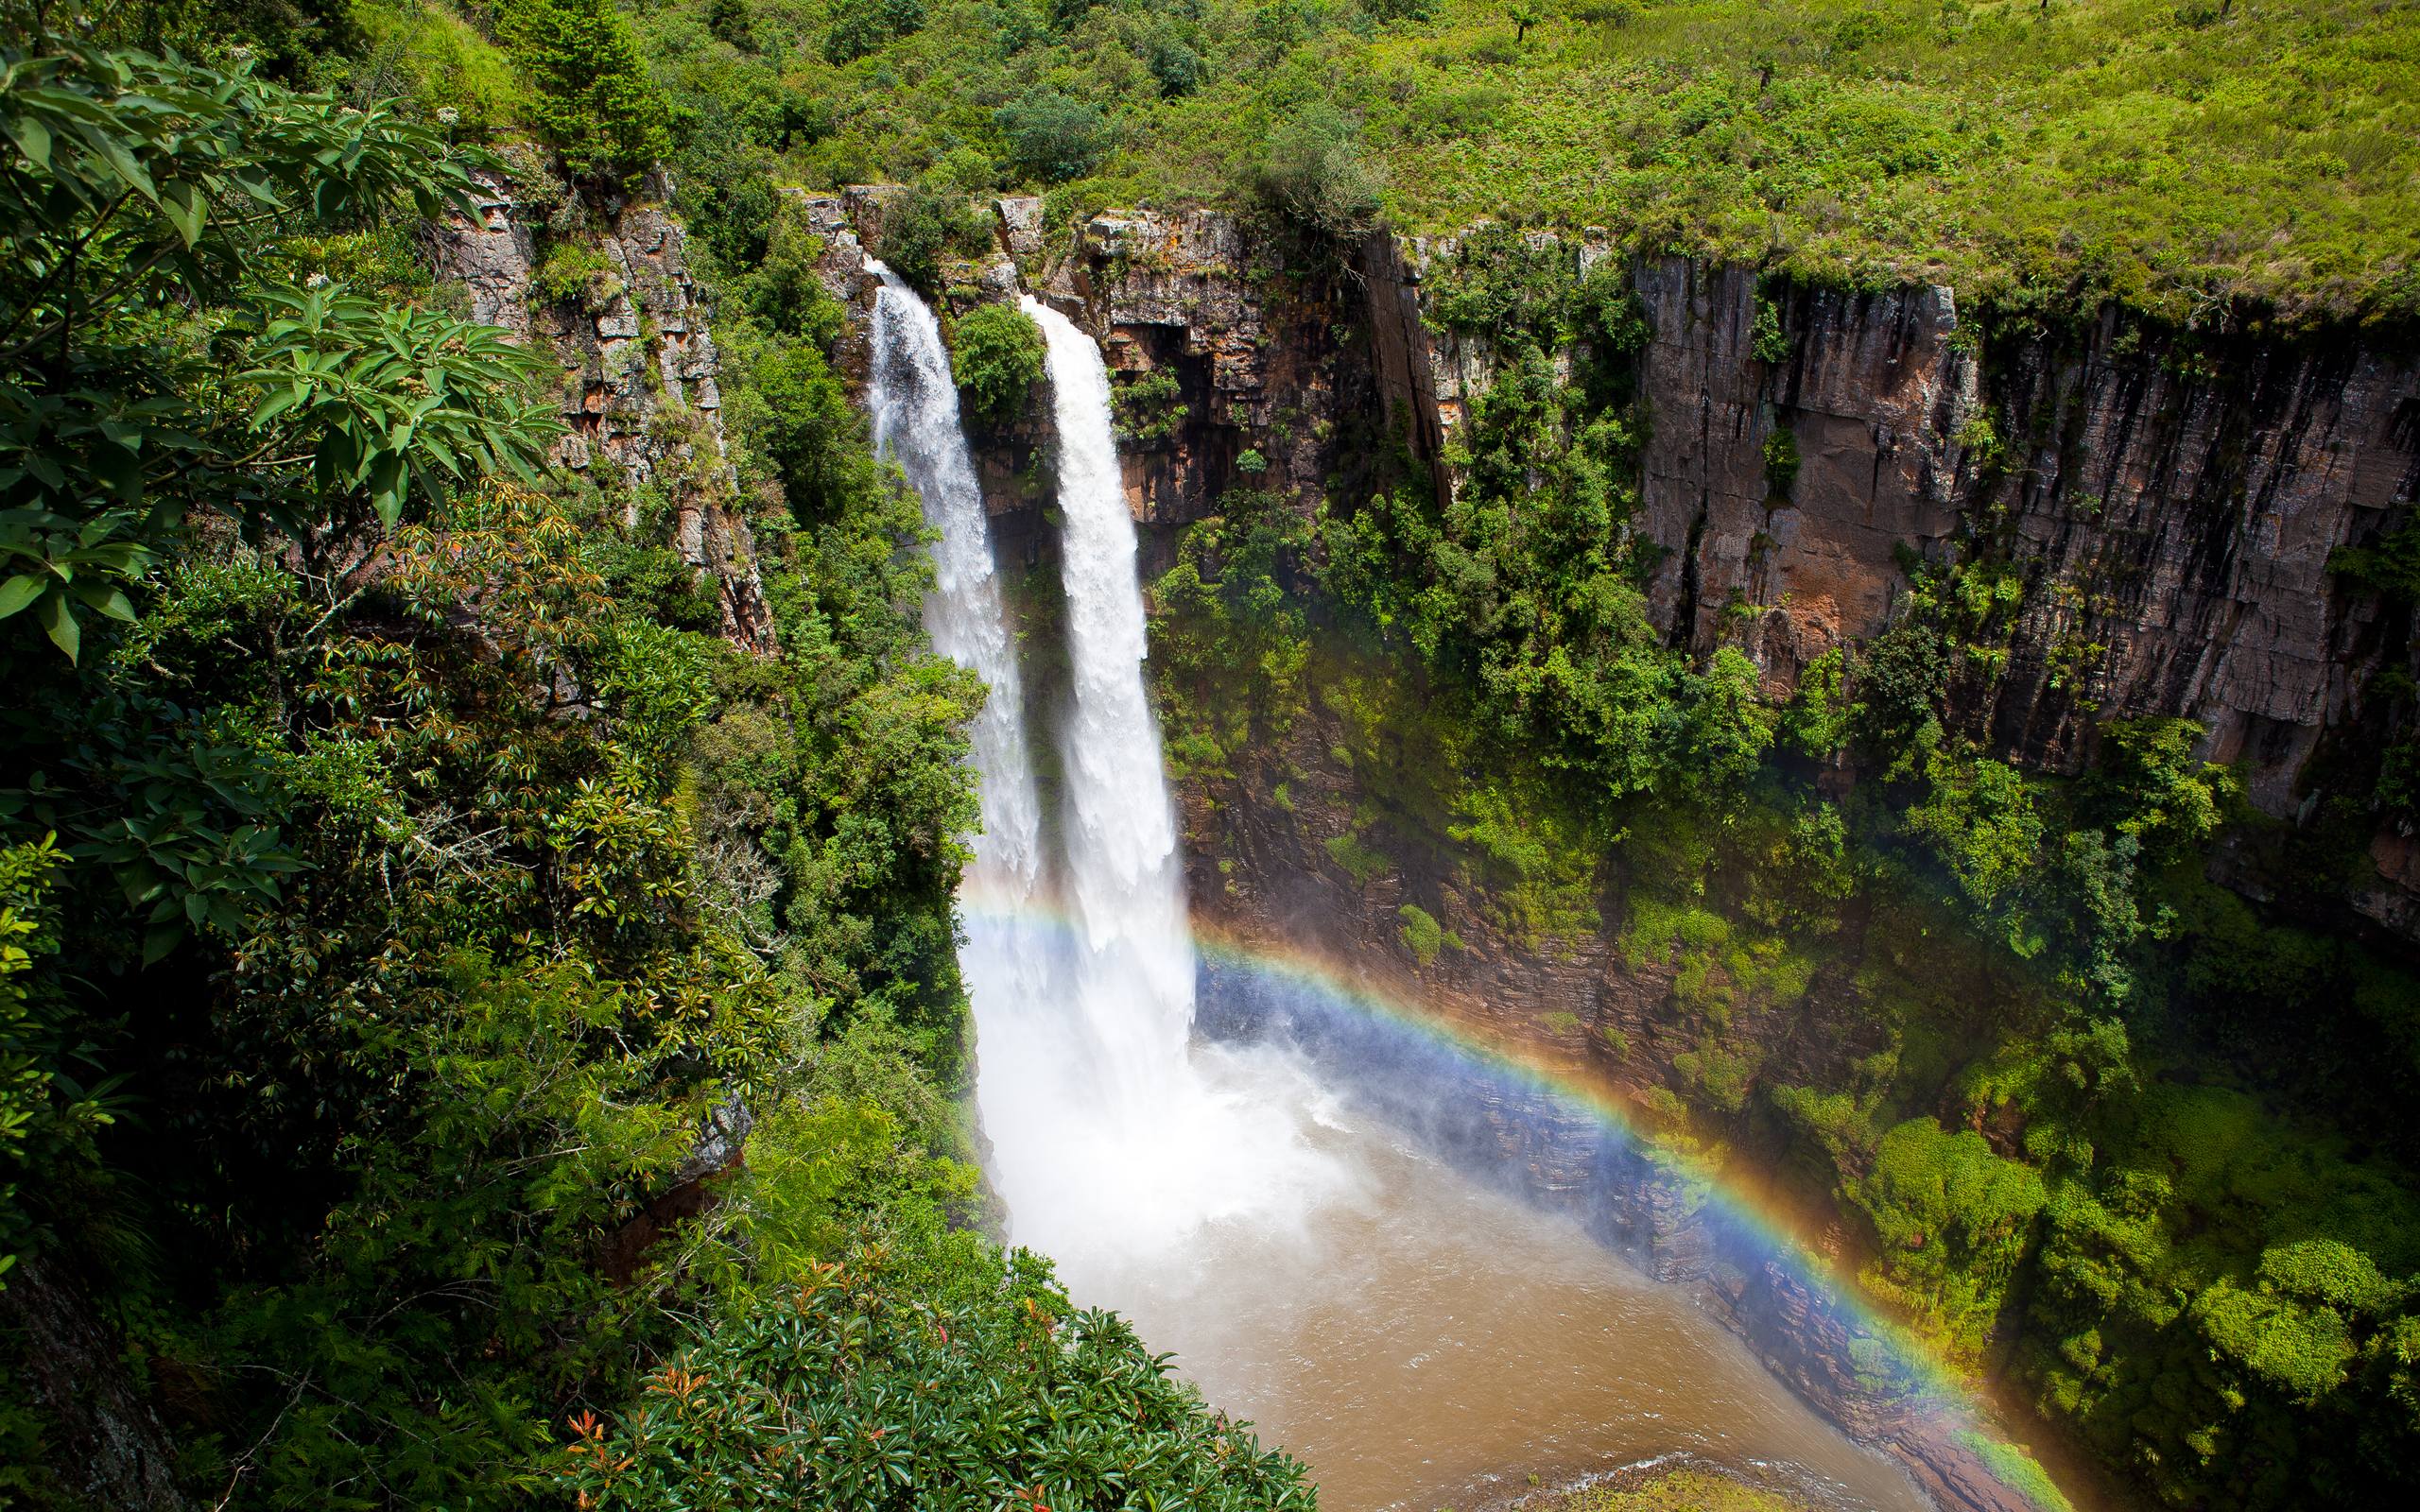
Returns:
<point x="995" y="356"/>
<point x="594" y="103"/>
<point x="2150" y="788"/>
<point x="1053" y="138"/>
<point x="732" y="21"/>
<point x="1980" y="822"/>
<point x="1726" y="727"/>
<point x="140" y="184"/>
<point x="860" y="26"/>
<point x="923" y="225"/>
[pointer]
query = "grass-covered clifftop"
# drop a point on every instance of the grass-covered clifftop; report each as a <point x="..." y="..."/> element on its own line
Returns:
<point x="2199" y="161"/>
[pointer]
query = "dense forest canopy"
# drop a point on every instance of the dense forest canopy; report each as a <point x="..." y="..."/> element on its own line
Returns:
<point x="2200" y="161"/>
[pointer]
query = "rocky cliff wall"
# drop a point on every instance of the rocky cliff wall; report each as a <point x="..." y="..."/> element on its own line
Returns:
<point x="2169" y="507"/>
<point x="639" y="397"/>
<point x="2170" y="504"/>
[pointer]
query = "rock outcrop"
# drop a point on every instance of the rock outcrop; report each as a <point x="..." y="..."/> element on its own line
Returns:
<point x="639" y="397"/>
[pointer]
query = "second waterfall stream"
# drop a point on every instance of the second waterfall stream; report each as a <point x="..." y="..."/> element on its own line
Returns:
<point x="1115" y="1140"/>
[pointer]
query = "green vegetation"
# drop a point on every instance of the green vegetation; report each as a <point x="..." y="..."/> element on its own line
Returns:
<point x="1680" y="1491"/>
<point x="996" y="354"/>
<point x="591" y="99"/>
<point x="2197" y="162"/>
<point x="1421" y="935"/>
<point x="1056" y="1389"/>
<point x="2086" y="1115"/>
<point x="1146" y="406"/>
<point x="409" y="901"/>
<point x="1225" y="620"/>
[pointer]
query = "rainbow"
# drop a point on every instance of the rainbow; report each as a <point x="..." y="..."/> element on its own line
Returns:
<point x="1893" y="1365"/>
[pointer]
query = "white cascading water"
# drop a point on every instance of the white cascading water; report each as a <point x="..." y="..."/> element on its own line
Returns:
<point x="914" y="401"/>
<point x="1115" y="1140"/>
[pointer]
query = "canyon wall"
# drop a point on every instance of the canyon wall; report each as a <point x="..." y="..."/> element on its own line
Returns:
<point x="2169" y="505"/>
<point x="639" y="401"/>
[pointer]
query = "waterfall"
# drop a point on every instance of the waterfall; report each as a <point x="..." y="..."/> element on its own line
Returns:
<point x="1134" y="980"/>
<point x="914" y="401"/>
<point x="1115" y="1140"/>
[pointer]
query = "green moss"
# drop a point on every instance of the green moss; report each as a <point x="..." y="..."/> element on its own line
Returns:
<point x="1364" y="862"/>
<point x="1682" y="1491"/>
<point x="1421" y="934"/>
<point x="2018" y="1470"/>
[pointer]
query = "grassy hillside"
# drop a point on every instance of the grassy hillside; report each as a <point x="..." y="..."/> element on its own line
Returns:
<point x="2185" y="157"/>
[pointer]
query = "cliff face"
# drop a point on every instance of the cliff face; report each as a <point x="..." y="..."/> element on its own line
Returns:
<point x="639" y="396"/>
<point x="2169" y="509"/>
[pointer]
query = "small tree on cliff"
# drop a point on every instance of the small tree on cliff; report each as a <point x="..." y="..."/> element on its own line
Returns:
<point x="593" y="102"/>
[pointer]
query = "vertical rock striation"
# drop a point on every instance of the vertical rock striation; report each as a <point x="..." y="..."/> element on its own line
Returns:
<point x="639" y="393"/>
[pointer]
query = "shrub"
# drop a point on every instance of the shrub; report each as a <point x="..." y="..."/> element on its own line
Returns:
<point x="731" y="20"/>
<point x="574" y="273"/>
<point x="897" y="1380"/>
<point x="1781" y="462"/>
<point x="1314" y="173"/>
<point x="995" y="356"/>
<point x="920" y="228"/>
<point x="1767" y="338"/>
<point x="1954" y="1220"/>
<point x="1357" y="856"/>
<point x="1979" y="819"/>
<point x="1178" y="68"/>
<point x="1148" y="406"/>
<point x="1421" y="935"/>
<point x="862" y="26"/>
<point x="807" y="429"/>
<point x="2149" y="786"/>
<point x="1053" y="138"/>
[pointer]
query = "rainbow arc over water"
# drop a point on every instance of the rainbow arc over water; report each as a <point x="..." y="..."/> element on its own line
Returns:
<point x="1528" y="1117"/>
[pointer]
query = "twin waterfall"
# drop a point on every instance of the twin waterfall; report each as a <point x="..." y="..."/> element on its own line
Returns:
<point x="1114" y="1140"/>
<point x="1415" y="1336"/>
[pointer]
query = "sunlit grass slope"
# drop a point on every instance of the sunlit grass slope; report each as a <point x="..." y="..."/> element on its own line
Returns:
<point x="2202" y="158"/>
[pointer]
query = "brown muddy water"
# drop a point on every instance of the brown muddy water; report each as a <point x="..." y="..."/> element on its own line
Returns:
<point x="1422" y="1342"/>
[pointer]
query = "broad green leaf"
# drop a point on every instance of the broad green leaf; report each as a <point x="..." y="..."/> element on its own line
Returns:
<point x="107" y="600"/>
<point x="18" y="592"/>
<point x="60" y="623"/>
<point x="184" y="209"/>
<point x="32" y="138"/>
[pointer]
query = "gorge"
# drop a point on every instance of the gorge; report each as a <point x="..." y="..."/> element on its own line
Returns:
<point x="1018" y="755"/>
<point x="1312" y="1238"/>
